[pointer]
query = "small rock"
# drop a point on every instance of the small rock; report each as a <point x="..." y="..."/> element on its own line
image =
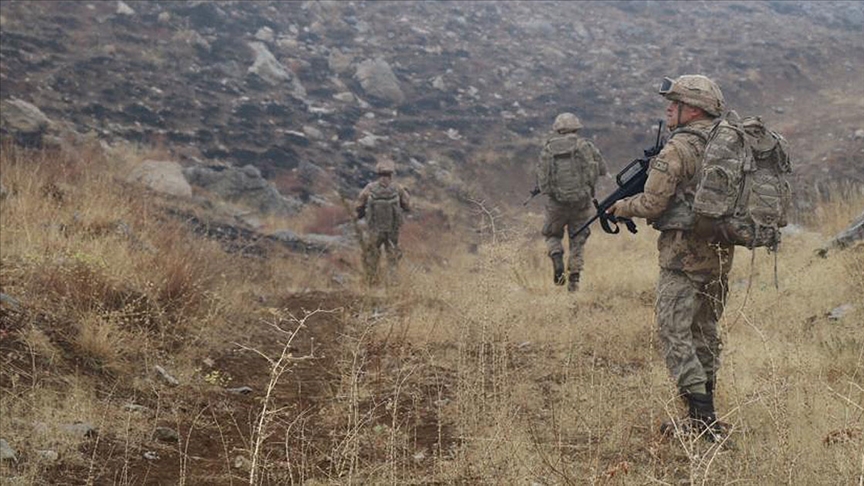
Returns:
<point x="313" y="132"/>
<point x="242" y="390"/>
<point x="859" y="134"/>
<point x="133" y="407"/>
<point x="438" y="83"/>
<point x="123" y="9"/>
<point x="48" y="455"/>
<point x="166" y="434"/>
<point x="7" y="452"/>
<point x="164" y="17"/>
<point x="80" y="429"/>
<point x="9" y="302"/>
<point x="166" y="376"/>
<point x="345" y="97"/>
<point x="265" y="34"/>
<point x="420" y="456"/>
<point x="241" y="462"/>
<point x="838" y="312"/>
<point x="151" y="455"/>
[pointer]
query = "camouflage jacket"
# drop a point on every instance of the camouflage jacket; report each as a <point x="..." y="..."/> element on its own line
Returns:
<point x="669" y="174"/>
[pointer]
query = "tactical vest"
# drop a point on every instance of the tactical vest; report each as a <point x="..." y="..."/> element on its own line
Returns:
<point x="383" y="209"/>
<point x="679" y="214"/>
<point x="567" y="170"/>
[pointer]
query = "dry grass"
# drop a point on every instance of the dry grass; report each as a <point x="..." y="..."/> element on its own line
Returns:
<point x="473" y="369"/>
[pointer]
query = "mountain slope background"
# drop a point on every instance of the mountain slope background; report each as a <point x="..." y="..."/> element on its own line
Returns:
<point x="467" y="78"/>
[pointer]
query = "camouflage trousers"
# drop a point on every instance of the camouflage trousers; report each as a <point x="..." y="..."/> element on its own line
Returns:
<point x="570" y="215"/>
<point x="688" y="308"/>
<point x="389" y="241"/>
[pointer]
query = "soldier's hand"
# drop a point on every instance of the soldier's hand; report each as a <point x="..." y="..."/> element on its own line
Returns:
<point x="616" y="209"/>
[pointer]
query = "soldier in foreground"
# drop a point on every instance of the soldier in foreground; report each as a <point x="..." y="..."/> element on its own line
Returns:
<point x="567" y="172"/>
<point x="692" y="287"/>
<point x="381" y="202"/>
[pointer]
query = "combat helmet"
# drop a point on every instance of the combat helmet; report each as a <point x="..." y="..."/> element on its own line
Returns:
<point x="385" y="167"/>
<point x="566" y="122"/>
<point x="695" y="90"/>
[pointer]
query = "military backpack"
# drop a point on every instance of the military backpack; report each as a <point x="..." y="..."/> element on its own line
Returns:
<point x="567" y="170"/>
<point x="743" y="192"/>
<point x="383" y="209"/>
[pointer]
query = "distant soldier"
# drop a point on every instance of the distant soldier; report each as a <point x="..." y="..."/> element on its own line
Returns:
<point x="567" y="172"/>
<point x="381" y="202"/>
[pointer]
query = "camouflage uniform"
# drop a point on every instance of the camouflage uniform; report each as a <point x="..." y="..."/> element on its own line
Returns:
<point x="693" y="271"/>
<point x="382" y="202"/>
<point x="571" y="214"/>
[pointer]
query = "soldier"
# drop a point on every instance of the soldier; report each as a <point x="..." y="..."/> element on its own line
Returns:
<point x="381" y="202"/>
<point x="692" y="287"/>
<point x="567" y="173"/>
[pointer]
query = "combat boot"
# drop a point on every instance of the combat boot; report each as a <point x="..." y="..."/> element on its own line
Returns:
<point x="703" y="419"/>
<point x="573" y="282"/>
<point x="557" y="268"/>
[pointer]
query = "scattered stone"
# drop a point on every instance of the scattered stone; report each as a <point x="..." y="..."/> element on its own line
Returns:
<point x="80" y="430"/>
<point x="243" y="185"/>
<point x="166" y="377"/>
<point x="378" y="80"/>
<point x="266" y="66"/>
<point x="839" y="312"/>
<point x="345" y="97"/>
<point x="859" y="134"/>
<point x="165" y="177"/>
<point x="438" y="83"/>
<point x="133" y="407"/>
<point x="7" y="452"/>
<point x="241" y="462"/>
<point x="48" y="455"/>
<point x="9" y="302"/>
<point x="23" y="121"/>
<point x="164" y="17"/>
<point x="242" y="390"/>
<point x="125" y="10"/>
<point x="166" y="434"/>
<point x="313" y="132"/>
<point x="151" y="455"/>
<point x="265" y="34"/>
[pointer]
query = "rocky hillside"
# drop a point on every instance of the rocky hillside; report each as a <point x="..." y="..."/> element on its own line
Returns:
<point x="311" y="93"/>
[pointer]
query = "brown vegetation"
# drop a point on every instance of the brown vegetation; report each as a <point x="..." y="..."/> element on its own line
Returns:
<point x="474" y="370"/>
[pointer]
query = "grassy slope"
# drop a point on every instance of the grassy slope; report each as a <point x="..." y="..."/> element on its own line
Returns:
<point x="474" y="370"/>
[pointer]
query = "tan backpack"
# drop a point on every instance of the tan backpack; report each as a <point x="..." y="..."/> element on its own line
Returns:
<point x="567" y="170"/>
<point x="743" y="194"/>
<point x="382" y="208"/>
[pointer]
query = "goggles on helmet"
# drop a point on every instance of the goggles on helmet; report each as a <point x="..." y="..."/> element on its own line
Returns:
<point x="666" y="86"/>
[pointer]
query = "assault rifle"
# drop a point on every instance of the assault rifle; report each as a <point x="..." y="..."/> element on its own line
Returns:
<point x="531" y="195"/>
<point x="631" y="181"/>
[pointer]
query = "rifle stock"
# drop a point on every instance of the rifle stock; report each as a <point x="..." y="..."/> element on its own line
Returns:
<point x="631" y="181"/>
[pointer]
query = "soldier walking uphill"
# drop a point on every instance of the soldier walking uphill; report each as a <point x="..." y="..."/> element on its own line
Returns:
<point x="567" y="172"/>
<point x="692" y="287"/>
<point x="381" y="202"/>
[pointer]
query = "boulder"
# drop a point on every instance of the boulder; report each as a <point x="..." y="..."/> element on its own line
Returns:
<point x="23" y="121"/>
<point x="161" y="176"/>
<point x="378" y="81"/>
<point x="243" y="185"/>
<point x="268" y="68"/>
